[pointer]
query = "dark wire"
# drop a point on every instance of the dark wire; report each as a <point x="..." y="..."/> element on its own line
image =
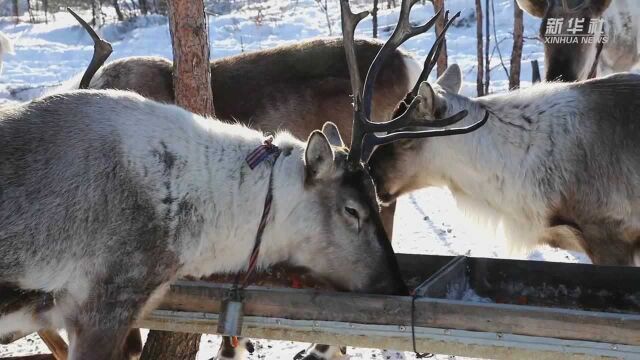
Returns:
<point x="419" y="355"/>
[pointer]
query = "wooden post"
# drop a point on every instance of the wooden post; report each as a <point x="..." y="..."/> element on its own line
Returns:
<point x="442" y="59"/>
<point x="55" y="343"/>
<point x="479" y="79"/>
<point x="192" y="84"/>
<point x="516" y="51"/>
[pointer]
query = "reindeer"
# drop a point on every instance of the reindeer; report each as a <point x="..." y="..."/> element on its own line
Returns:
<point x="121" y="195"/>
<point x="556" y="164"/>
<point x="619" y="51"/>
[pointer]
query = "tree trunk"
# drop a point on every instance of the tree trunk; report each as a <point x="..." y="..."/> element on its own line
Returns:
<point x="535" y="72"/>
<point x="96" y="11"/>
<point x="16" y="11"/>
<point x="191" y="71"/>
<point x="442" y="59"/>
<point x="45" y="7"/>
<point x="374" y="19"/>
<point x="165" y="345"/>
<point x="118" y="10"/>
<point x="479" y="81"/>
<point x="487" y="45"/>
<point x="192" y="86"/>
<point x="143" y="7"/>
<point x="518" y="42"/>
<point x="30" y="11"/>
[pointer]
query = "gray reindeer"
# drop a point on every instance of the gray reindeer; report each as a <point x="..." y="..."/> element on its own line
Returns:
<point x="587" y="57"/>
<point x="108" y="197"/>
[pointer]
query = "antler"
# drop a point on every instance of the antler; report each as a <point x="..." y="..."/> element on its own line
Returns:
<point x="364" y="138"/>
<point x="101" y="52"/>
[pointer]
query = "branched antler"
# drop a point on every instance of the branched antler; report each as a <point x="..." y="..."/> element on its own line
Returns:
<point x="101" y="51"/>
<point x="349" y="23"/>
<point x="365" y="135"/>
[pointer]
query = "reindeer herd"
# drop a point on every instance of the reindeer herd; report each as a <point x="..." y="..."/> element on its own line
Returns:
<point x="108" y="195"/>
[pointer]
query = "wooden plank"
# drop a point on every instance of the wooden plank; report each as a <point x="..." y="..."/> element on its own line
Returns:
<point x="442" y="341"/>
<point x="55" y="343"/>
<point x="396" y="310"/>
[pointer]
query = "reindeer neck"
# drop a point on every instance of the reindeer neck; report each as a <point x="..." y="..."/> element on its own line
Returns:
<point x="222" y="193"/>
<point x="498" y="165"/>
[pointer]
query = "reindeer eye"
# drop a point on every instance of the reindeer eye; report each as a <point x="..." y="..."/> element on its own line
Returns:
<point x="353" y="212"/>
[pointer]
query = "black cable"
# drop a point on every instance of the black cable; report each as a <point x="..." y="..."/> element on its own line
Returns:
<point x="419" y="355"/>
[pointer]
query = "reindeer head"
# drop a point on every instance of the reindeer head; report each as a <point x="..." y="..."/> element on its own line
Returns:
<point x="339" y="235"/>
<point x="561" y="19"/>
<point x="395" y="157"/>
<point x="402" y="166"/>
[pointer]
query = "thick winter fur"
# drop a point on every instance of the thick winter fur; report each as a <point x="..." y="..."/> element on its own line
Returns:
<point x="107" y="197"/>
<point x="571" y="62"/>
<point x="556" y="164"/>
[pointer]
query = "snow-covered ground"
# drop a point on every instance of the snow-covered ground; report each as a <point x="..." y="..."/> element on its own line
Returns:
<point x="427" y="222"/>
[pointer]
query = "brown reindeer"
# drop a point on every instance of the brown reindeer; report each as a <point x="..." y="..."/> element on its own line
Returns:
<point x="601" y="47"/>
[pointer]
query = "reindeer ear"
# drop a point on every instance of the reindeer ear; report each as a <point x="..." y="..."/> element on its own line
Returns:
<point x="533" y="7"/>
<point x="330" y="130"/>
<point x="427" y="96"/>
<point x="318" y="157"/>
<point x="451" y="80"/>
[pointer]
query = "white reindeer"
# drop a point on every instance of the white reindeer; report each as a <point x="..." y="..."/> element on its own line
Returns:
<point x="557" y="164"/>
<point x="107" y="197"/>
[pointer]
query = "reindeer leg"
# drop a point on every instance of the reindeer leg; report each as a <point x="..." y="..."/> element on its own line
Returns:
<point x="98" y="344"/>
<point x="100" y="327"/>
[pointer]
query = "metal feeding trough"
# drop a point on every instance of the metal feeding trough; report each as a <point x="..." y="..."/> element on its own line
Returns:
<point x="478" y="307"/>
